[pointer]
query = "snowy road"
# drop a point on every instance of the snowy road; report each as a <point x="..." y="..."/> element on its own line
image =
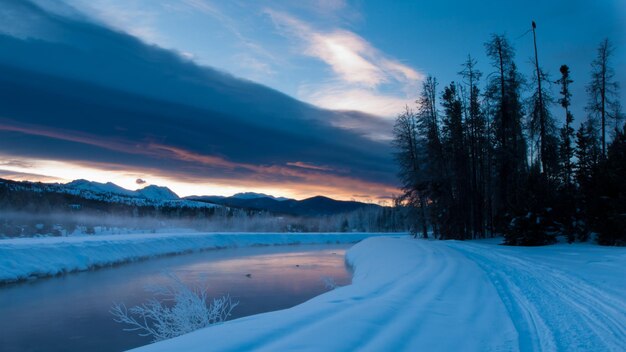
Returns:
<point x="551" y="308"/>
<point x="412" y="295"/>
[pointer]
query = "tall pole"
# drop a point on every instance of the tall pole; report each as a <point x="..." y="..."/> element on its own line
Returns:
<point x="542" y="122"/>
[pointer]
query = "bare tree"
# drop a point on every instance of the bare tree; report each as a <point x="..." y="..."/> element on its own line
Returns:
<point x="409" y="159"/>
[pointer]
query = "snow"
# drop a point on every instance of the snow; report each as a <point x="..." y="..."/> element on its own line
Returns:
<point x="152" y="192"/>
<point x="157" y="193"/>
<point x="97" y="187"/>
<point x="413" y="295"/>
<point x="23" y="258"/>
<point x="109" y="192"/>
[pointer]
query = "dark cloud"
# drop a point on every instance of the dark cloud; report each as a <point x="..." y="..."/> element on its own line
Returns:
<point x="23" y="176"/>
<point x="94" y="94"/>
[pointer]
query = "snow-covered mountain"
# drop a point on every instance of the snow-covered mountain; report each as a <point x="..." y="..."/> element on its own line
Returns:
<point x="152" y="192"/>
<point x="109" y="192"/>
<point x="101" y="188"/>
<point x="157" y="193"/>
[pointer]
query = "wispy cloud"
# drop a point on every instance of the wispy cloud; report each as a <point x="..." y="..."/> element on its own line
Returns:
<point x="340" y="96"/>
<point x="359" y="69"/>
<point x="304" y="165"/>
<point x="351" y="57"/>
<point x="261" y="59"/>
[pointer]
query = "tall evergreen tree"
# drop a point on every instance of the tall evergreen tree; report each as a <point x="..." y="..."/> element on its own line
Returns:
<point x="456" y="198"/>
<point x="503" y="89"/>
<point x="588" y="153"/>
<point x="542" y="128"/>
<point x="566" y="150"/>
<point x="476" y="135"/>
<point x="429" y="130"/>
<point x="607" y="208"/>
<point x="603" y="89"/>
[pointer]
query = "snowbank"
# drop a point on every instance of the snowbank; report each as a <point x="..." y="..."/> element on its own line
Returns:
<point x="37" y="257"/>
<point x="414" y="295"/>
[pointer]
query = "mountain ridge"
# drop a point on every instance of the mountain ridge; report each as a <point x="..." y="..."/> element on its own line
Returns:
<point x="160" y="196"/>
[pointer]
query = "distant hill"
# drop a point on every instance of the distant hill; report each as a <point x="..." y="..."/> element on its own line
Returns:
<point x="252" y="195"/>
<point x="315" y="206"/>
<point x="95" y="194"/>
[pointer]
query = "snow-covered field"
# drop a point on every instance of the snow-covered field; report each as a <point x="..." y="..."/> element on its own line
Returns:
<point x="24" y="258"/>
<point x="415" y="295"/>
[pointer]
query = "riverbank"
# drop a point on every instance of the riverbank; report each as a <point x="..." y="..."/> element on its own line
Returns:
<point x="30" y="258"/>
<point x="409" y="295"/>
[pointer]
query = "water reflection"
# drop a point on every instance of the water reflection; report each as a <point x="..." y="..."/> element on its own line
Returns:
<point x="70" y="313"/>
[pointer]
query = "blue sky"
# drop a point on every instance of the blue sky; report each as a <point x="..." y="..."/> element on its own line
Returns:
<point x="367" y="55"/>
<point x="290" y="98"/>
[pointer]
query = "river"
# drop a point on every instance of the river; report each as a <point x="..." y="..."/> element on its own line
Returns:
<point x="71" y="312"/>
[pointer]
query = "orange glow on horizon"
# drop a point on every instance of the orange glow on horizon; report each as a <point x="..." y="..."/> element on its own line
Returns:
<point x="296" y="179"/>
<point x="45" y="170"/>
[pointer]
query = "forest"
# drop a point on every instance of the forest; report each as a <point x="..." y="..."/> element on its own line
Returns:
<point x="501" y="155"/>
<point x="30" y="212"/>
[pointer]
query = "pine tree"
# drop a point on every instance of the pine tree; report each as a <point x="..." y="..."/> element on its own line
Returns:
<point x="588" y="153"/>
<point x="429" y="131"/>
<point x="542" y="130"/>
<point x="607" y="209"/>
<point x="603" y="89"/>
<point x="503" y="90"/>
<point x="476" y="135"/>
<point x="456" y="199"/>
<point x="566" y="150"/>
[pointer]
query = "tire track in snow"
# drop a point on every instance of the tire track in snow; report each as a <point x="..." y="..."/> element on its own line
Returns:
<point x="406" y="297"/>
<point x="551" y="309"/>
<point x="407" y="313"/>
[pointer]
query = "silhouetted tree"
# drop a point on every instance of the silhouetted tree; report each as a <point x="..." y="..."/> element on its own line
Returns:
<point x="607" y="207"/>
<point x="503" y="90"/>
<point x="456" y="218"/>
<point x="410" y="159"/>
<point x="602" y="89"/>
<point x="566" y="149"/>
<point x="476" y="135"/>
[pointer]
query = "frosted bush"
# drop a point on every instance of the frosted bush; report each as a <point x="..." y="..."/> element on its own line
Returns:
<point x="175" y="309"/>
<point x="329" y="282"/>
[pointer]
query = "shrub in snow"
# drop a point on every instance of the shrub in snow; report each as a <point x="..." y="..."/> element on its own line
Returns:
<point x="329" y="282"/>
<point x="176" y="309"/>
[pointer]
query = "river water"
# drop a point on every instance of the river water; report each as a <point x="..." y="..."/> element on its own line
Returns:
<point x="71" y="312"/>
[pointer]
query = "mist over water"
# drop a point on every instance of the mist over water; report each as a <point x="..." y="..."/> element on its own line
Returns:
<point x="65" y="223"/>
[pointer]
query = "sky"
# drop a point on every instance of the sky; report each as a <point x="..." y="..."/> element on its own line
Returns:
<point x="291" y="98"/>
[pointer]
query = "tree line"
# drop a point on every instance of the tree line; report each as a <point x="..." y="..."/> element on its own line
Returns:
<point x="506" y="159"/>
<point x="29" y="213"/>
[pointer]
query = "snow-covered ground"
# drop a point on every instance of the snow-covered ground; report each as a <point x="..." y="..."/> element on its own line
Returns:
<point x="415" y="295"/>
<point x="23" y="258"/>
